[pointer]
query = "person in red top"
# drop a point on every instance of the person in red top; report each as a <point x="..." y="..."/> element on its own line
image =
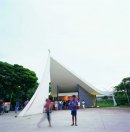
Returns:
<point x="47" y="108"/>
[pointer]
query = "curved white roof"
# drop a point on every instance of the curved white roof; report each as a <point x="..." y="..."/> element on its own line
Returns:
<point x="61" y="77"/>
<point x="67" y="81"/>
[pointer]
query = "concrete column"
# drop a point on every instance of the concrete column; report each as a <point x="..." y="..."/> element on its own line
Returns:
<point x="114" y="101"/>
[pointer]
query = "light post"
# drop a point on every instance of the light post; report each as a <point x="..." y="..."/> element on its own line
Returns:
<point x="125" y="89"/>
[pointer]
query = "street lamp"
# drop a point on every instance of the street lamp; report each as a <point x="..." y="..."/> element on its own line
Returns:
<point x="126" y="82"/>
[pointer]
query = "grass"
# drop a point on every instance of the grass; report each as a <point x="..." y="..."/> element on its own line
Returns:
<point x="105" y="104"/>
<point x="110" y="104"/>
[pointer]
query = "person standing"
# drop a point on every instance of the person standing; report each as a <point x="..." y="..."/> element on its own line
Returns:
<point x="17" y="106"/>
<point x="64" y="105"/>
<point x="1" y="106"/>
<point x="26" y="102"/>
<point x="47" y="108"/>
<point x="83" y="104"/>
<point x="78" y="104"/>
<point x="73" y="105"/>
<point x="56" y="105"/>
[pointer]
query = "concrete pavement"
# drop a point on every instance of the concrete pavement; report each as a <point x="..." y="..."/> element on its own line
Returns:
<point x="89" y="120"/>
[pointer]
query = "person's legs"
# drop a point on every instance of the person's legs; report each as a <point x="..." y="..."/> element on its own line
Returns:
<point x="72" y="113"/>
<point x="72" y="120"/>
<point x="42" y="119"/>
<point x="83" y="106"/>
<point x="16" y="109"/>
<point x="49" y="118"/>
<point x="75" y="118"/>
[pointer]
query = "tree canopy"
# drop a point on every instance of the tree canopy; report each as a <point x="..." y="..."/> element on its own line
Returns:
<point x="122" y="91"/>
<point x="16" y="82"/>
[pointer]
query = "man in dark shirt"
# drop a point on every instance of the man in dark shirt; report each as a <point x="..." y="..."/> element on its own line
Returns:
<point x="1" y="106"/>
<point x="73" y="105"/>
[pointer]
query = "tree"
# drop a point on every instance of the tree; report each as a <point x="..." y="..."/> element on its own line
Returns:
<point x="105" y="98"/>
<point x="16" y="82"/>
<point x="122" y="92"/>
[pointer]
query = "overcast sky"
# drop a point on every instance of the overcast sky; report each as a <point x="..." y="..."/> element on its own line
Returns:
<point x="90" y="37"/>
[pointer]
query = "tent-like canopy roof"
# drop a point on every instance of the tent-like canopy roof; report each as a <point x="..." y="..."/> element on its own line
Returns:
<point x="61" y="77"/>
<point x="66" y="81"/>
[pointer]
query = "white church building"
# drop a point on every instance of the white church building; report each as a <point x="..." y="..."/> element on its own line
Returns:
<point x="64" y="84"/>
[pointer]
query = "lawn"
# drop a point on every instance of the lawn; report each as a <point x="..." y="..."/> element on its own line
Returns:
<point x="105" y="104"/>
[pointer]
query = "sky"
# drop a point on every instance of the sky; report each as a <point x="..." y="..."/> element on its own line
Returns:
<point x="90" y="37"/>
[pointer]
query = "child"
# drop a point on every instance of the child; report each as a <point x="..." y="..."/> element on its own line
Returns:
<point x="73" y="105"/>
<point x="47" y="108"/>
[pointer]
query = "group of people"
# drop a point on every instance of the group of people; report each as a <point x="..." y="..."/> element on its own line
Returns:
<point x="4" y="106"/>
<point x="60" y="105"/>
<point x="73" y="105"/>
<point x="18" y="106"/>
<point x="64" y="105"/>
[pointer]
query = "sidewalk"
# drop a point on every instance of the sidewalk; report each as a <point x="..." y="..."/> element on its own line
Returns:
<point x="89" y="120"/>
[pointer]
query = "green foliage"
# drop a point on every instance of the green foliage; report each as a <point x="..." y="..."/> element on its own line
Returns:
<point x="16" y="82"/>
<point x="121" y="92"/>
<point x="105" y="103"/>
<point x="105" y="98"/>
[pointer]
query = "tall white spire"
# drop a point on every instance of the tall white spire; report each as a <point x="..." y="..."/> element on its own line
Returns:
<point x="35" y="105"/>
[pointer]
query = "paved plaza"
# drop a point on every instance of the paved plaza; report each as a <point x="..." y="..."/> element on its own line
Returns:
<point x="89" y="120"/>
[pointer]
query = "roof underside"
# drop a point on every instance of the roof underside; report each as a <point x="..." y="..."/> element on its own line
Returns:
<point x="66" y="81"/>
